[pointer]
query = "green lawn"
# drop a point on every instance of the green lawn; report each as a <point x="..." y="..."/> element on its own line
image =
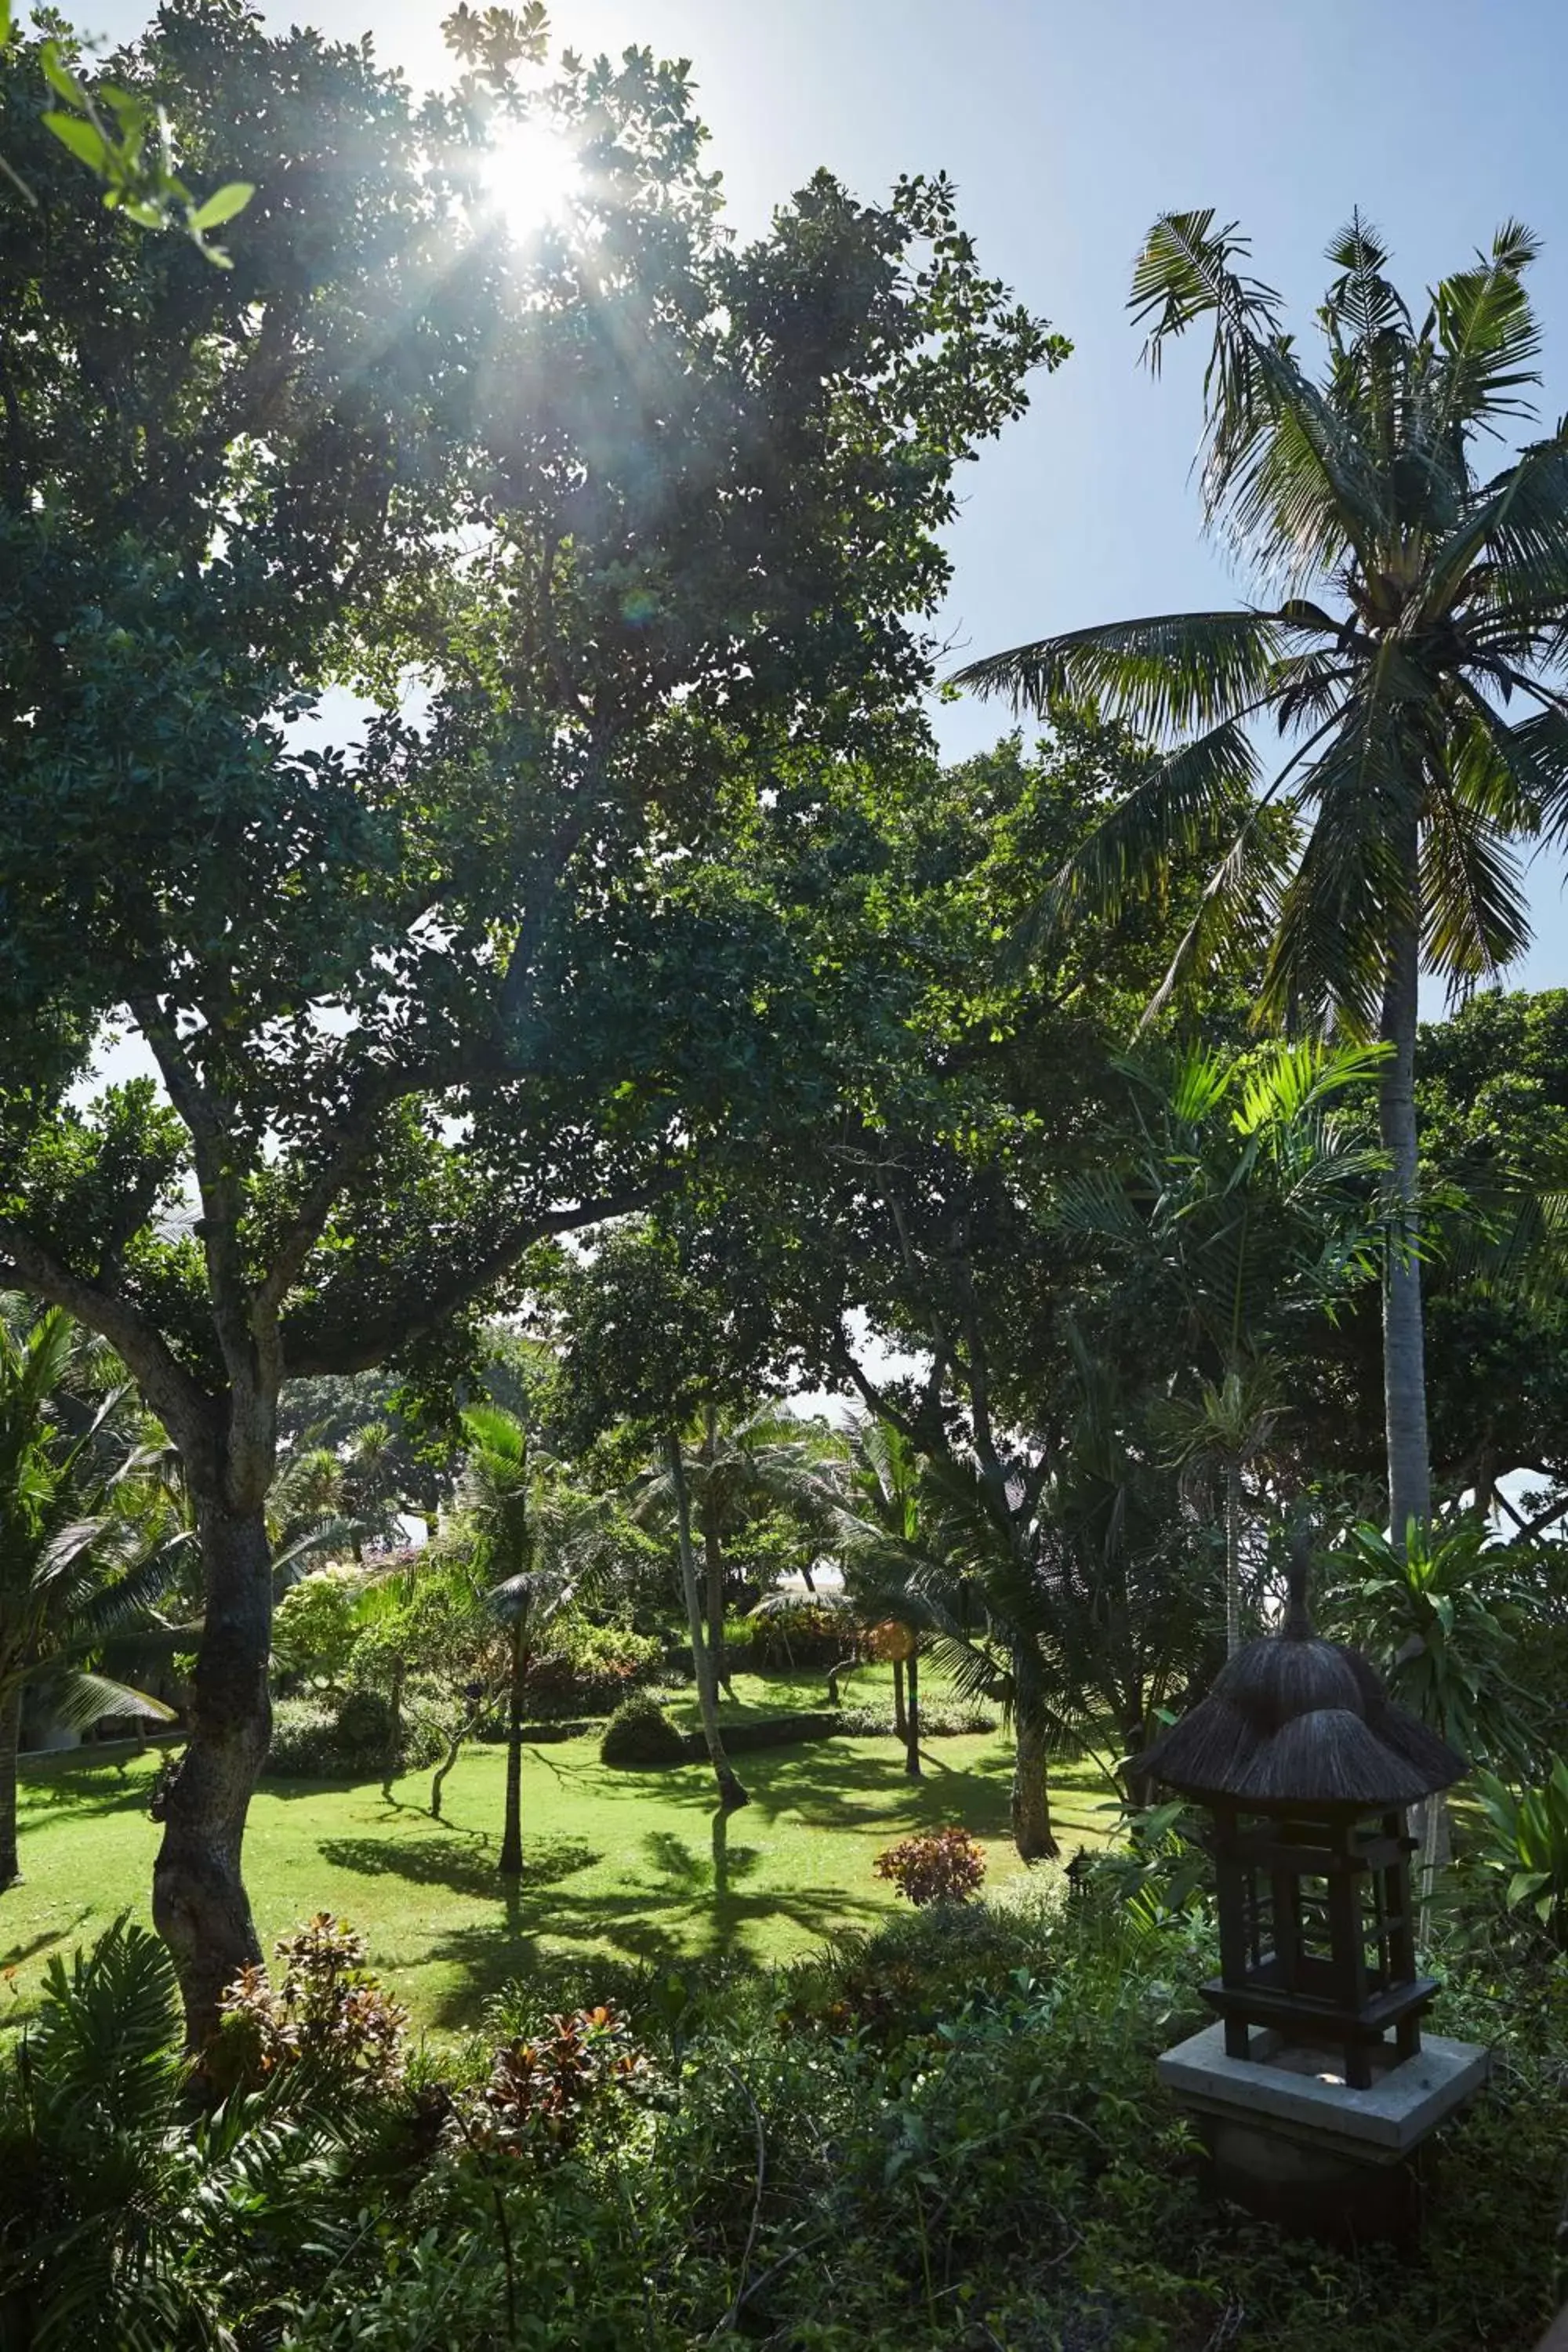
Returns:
<point x="634" y="1864"/>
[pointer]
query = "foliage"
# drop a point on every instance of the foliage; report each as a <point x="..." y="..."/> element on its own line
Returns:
<point x="350" y="1737"/>
<point x="802" y="1632"/>
<point x="1407" y="640"/>
<point x="537" y="941"/>
<point x="639" y="1732"/>
<point x="538" y="2090"/>
<point x="123" y="138"/>
<point x="1524" y="1840"/>
<point x="939" y="1720"/>
<point x="121" y="2216"/>
<point x="942" y="1866"/>
<point x="314" y="1625"/>
<point x="325" y="2012"/>
<point x="1443" y="1616"/>
<point x="587" y="1669"/>
<point x="87" y="1544"/>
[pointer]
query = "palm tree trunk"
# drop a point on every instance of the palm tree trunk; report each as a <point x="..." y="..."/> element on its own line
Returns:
<point x="731" y="1793"/>
<point x="1231" y="1557"/>
<point x="912" y="1751"/>
<point x="901" y="1718"/>
<point x="1032" y="1831"/>
<point x="509" y="1863"/>
<point x="10" y="1740"/>
<point x="1404" y="1352"/>
<point x="713" y="1566"/>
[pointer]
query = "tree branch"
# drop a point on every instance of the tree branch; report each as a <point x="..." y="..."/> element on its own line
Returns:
<point x="369" y="1344"/>
<point x="184" y="1409"/>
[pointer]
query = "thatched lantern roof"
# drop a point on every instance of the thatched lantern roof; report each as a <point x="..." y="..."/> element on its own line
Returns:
<point x="1293" y="1721"/>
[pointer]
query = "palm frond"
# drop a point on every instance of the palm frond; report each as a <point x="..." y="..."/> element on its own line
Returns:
<point x="1160" y="675"/>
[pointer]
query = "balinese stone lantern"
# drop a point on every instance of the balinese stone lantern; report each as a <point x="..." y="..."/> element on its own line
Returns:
<point x="1317" y="2069"/>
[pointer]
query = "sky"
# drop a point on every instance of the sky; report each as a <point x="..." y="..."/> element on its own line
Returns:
<point x="1068" y="128"/>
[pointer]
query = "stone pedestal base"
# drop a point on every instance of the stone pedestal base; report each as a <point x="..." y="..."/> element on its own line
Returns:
<point x="1290" y="2140"/>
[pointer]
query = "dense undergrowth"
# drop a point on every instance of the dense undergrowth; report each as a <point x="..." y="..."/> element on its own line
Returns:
<point x="945" y="2136"/>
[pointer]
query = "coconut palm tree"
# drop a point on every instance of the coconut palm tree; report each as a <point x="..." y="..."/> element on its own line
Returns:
<point x="1409" y="644"/>
<point x="81" y="1554"/>
<point x="732" y="1464"/>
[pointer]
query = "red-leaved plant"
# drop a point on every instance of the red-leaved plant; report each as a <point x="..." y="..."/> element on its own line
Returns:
<point x="325" y="2008"/>
<point x="539" y="2090"/>
<point x="941" y="1866"/>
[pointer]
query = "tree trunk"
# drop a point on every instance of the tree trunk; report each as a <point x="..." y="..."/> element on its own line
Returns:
<point x="1231" y="1557"/>
<point x="394" y="1728"/>
<point x="713" y="1565"/>
<point x="731" y="1793"/>
<point x="1032" y="1831"/>
<point x="199" y="1903"/>
<point x="913" y="1750"/>
<point x="1404" y="1353"/>
<point x="901" y="1718"/>
<point x="10" y="1740"/>
<point x="454" y="1749"/>
<point x="510" y="1861"/>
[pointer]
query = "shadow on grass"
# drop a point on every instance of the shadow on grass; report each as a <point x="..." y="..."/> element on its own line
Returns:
<point x="86" y="1789"/>
<point x="695" y="1907"/>
<point x="452" y="1861"/>
<point x="17" y="1955"/>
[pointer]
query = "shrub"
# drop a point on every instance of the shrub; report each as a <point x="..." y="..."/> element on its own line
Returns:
<point x="939" y="1866"/>
<point x="313" y="1625"/>
<point x="539" y="2088"/>
<point x="639" y="1732"/>
<point x="937" y="1721"/>
<point x="321" y="1740"/>
<point x="808" y="1636"/>
<point x="589" y="1669"/>
<point x="1524" y="1844"/>
<point x="326" y="2009"/>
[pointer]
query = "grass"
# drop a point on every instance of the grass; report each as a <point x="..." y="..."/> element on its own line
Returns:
<point x="638" y="1865"/>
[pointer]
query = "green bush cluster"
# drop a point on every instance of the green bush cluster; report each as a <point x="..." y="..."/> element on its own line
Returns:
<point x="946" y="2134"/>
<point x="942" y="1721"/>
<point x="639" y="1732"/>
<point x="350" y="1737"/>
<point x="588" y="1669"/>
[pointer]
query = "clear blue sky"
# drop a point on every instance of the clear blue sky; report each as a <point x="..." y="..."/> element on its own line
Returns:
<point x="1068" y="128"/>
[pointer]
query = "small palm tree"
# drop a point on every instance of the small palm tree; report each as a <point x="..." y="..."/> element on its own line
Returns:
<point x="732" y="1463"/>
<point x="79" y="1554"/>
<point x="541" y="1541"/>
<point x="1410" y="648"/>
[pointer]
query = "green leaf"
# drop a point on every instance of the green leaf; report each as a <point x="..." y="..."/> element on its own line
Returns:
<point x="223" y="204"/>
<point x="1525" y="1883"/>
<point x="59" y="76"/>
<point x="4" y="23"/>
<point x="83" y="139"/>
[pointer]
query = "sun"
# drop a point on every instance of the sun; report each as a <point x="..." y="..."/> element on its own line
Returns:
<point x="531" y="174"/>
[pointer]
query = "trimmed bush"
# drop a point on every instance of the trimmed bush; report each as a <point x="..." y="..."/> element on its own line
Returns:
<point x="639" y="1732"/>
<point x="774" y="1731"/>
<point x="936" y="1722"/>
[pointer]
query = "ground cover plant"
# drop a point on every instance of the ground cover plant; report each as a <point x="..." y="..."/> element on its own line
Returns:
<point x="940" y="2132"/>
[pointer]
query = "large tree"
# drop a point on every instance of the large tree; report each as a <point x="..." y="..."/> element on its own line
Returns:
<point x="645" y="512"/>
<point x="1410" y="649"/>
